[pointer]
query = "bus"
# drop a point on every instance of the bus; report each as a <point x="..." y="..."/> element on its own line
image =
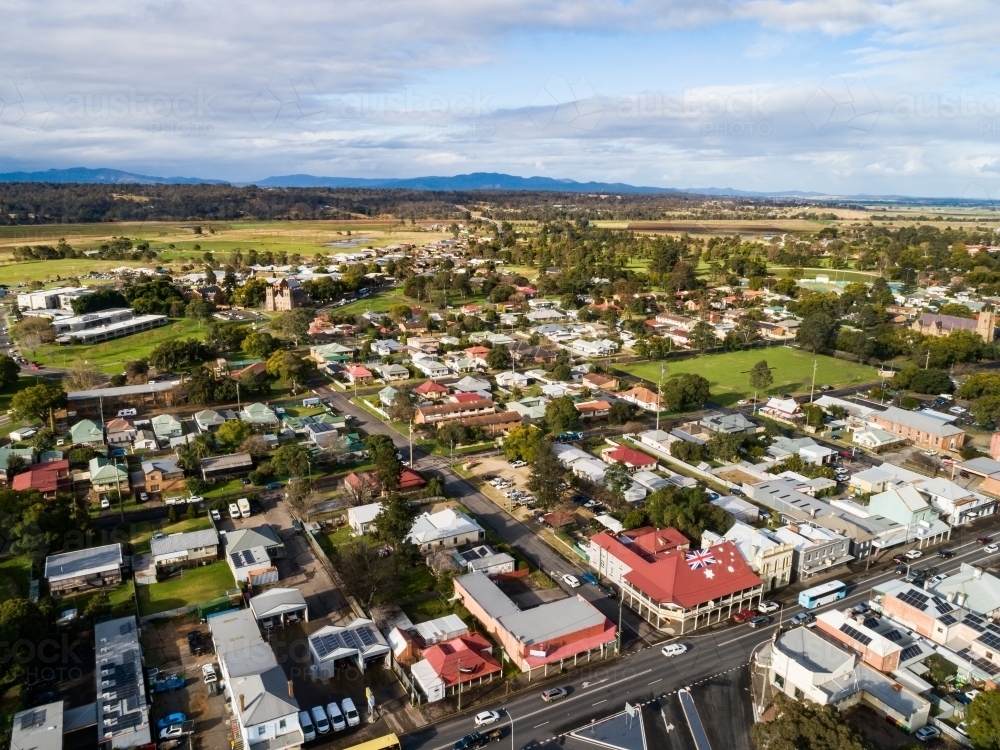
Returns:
<point x="388" y="742"/>
<point x="825" y="593"/>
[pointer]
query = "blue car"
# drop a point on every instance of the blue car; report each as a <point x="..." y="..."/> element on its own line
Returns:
<point x="590" y="578"/>
<point x="168" y="721"/>
<point x="273" y="486"/>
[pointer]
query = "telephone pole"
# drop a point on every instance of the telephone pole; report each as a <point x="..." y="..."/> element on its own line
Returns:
<point x="812" y="389"/>
<point x="659" y="390"/>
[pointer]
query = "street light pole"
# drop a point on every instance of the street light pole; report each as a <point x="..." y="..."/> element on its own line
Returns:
<point x="507" y="711"/>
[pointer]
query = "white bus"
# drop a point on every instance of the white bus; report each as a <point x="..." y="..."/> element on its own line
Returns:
<point x="825" y="593"/>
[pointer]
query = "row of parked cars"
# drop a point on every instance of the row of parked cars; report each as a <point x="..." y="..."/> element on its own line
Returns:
<point x="509" y="490"/>
<point x="334" y="717"/>
<point x="757" y="618"/>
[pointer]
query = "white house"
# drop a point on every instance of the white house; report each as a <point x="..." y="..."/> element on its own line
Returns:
<point x="432" y="368"/>
<point x="362" y="518"/>
<point x="446" y="528"/>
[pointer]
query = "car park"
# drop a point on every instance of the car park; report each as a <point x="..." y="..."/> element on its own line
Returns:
<point x="305" y="723"/>
<point x="554" y="694"/>
<point x="320" y="719"/>
<point x="487" y="717"/>
<point x="336" y="716"/>
<point x="571" y="580"/>
<point x="674" y="649"/>
<point x="760" y="621"/>
<point x="766" y="607"/>
<point x="350" y="712"/>
<point x="913" y="554"/>
<point x="167" y="721"/>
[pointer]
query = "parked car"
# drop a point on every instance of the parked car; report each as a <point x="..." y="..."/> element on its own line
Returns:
<point x="803" y="618"/>
<point x="487" y="717"/>
<point x="674" y="649"/>
<point x="297" y="526"/>
<point x="766" y="607"/>
<point x="899" y="559"/>
<point x="934" y="581"/>
<point x="273" y="486"/>
<point x="760" y="621"/>
<point x="927" y="733"/>
<point x="172" y="732"/>
<point x="477" y="740"/>
<point x="336" y="716"/>
<point x="744" y="616"/>
<point x="143" y="497"/>
<point x="590" y="578"/>
<point x="572" y="580"/>
<point x="215" y="515"/>
<point x="105" y="503"/>
<point x="984" y="540"/>
<point x="350" y="712"/>
<point x="208" y="674"/>
<point x="234" y="510"/>
<point x="554" y="694"/>
<point x="913" y="554"/>
<point x="308" y="730"/>
<point x="166" y="721"/>
<point x="195" y="643"/>
<point x="320" y="719"/>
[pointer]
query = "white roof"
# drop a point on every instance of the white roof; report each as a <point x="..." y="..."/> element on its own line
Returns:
<point x="363" y="514"/>
<point x="878" y="644"/>
<point x="608" y="522"/>
<point x="441" y="629"/>
<point x="83" y="562"/>
<point x="444" y="524"/>
<point x="277" y="601"/>
<point x="981" y="589"/>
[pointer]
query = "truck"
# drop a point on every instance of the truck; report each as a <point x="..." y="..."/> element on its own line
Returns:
<point x="244" y="506"/>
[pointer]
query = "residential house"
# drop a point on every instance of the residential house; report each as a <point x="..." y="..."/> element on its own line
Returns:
<point x="673" y="588"/>
<point x="163" y="477"/>
<point x="145" y="440"/>
<point x="208" y="420"/>
<point x="876" y="440"/>
<point x="87" y="432"/>
<point x="547" y="634"/>
<point x="785" y="410"/>
<point x="805" y="448"/>
<point x="387" y="347"/>
<point x="531" y="408"/>
<point x="392" y="373"/>
<point x="185" y="550"/>
<point x="922" y="430"/>
<point x="430" y="390"/>
<point x="358" y="374"/>
<point x="120" y="432"/>
<point x="730" y="424"/>
<point x="634" y="460"/>
<point x="167" y="426"/>
<point x="432" y="368"/>
<point x="474" y="385"/>
<point x="264" y="536"/>
<point x="46" y="478"/>
<point x="361" y="518"/>
<point x="325" y="354"/>
<point x="446" y="528"/>
<point x="259" y="416"/>
<point x="107" y="477"/>
<point x="591" y="410"/>
<point x="450" y="412"/>
<point x="386" y="395"/>
<point x="510" y="380"/>
<point x="321" y="434"/>
<point x="83" y="569"/>
<point x="596" y="381"/>
<point x="485" y="559"/>
<point x="463" y="661"/>
<point x="644" y="398"/>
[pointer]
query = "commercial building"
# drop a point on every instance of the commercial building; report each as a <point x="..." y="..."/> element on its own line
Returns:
<point x="547" y="634"/>
<point x="97" y="402"/>
<point x="451" y="412"/>
<point x="770" y="558"/>
<point x="109" y="331"/>
<point x="359" y="642"/>
<point x="82" y="569"/>
<point x="817" y="550"/>
<point x="449" y="666"/>
<point x="279" y="606"/>
<point x="52" y="299"/>
<point x="922" y="430"/>
<point x="122" y="705"/>
<point x="225" y="467"/>
<point x="675" y="588"/>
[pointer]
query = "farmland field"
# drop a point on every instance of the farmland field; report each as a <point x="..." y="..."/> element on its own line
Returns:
<point x="729" y="373"/>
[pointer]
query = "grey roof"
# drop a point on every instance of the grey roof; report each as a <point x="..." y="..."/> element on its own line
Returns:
<point x="209" y="417"/>
<point x="125" y="390"/>
<point x="875" y="684"/>
<point x="981" y="589"/>
<point x="259" y="536"/>
<point x="39" y="728"/>
<point x="727" y="422"/>
<point x="118" y="654"/>
<point x="232" y="461"/>
<point x="918" y="422"/>
<point x="234" y="631"/>
<point x="266" y="696"/>
<point x="360" y="638"/>
<point x="184" y="541"/>
<point x="980" y="465"/>
<point x="277" y="601"/>
<point x="166" y="465"/>
<point x="83" y="561"/>
<point x="542" y="623"/>
<point x="812" y="652"/>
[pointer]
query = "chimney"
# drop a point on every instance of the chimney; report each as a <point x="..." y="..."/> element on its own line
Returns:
<point x="951" y="596"/>
<point x="243" y="704"/>
<point x="794" y="528"/>
<point x="977" y="572"/>
<point x="291" y="689"/>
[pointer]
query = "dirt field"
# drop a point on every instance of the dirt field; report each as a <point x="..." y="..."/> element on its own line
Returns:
<point x="737" y="477"/>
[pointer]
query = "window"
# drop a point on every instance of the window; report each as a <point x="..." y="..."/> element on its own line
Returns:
<point x="779" y="681"/>
<point x="799" y="695"/>
<point x="282" y="724"/>
<point x="154" y="488"/>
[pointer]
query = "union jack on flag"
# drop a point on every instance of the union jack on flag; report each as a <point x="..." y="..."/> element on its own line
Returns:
<point x="699" y="558"/>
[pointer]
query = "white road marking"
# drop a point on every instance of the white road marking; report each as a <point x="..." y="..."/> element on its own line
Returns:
<point x="599" y="702"/>
<point x="655" y="681"/>
<point x="540" y="725"/>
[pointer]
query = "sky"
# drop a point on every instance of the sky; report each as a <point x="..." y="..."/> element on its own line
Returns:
<point x="841" y="97"/>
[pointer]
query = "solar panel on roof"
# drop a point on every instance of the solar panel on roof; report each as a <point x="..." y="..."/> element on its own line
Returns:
<point x="992" y="640"/>
<point x="855" y="634"/>
<point x="248" y="556"/>
<point x="237" y="559"/>
<point x="349" y="640"/>
<point x="975" y="622"/>
<point x="893" y="635"/>
<point x="943" y="606"/>
<point x="32" y="719"/>
<point x="915" y="599"/>
<point x="871" y="622"/>
<point x="910" y="652"/>
<point x="948" y="620"/>
<point x="366" y="636"/>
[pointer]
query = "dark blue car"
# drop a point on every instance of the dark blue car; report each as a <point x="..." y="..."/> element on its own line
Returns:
<point x="590" y="578"/>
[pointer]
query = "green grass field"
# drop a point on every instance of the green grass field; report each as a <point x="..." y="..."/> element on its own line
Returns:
<point x="197" y="585"/>
<point x="15" y="576"/>
<point x="729" y="373"/>
<point x="111" y="356"/>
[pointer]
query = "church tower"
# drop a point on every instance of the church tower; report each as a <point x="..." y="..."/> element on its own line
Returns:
<point x="986" y="324"/>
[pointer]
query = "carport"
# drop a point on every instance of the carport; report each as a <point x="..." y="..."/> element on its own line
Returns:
<point x="279" y="606"/>
<point x="360" y="642"/>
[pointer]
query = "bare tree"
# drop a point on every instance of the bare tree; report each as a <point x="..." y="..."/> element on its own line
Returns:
<point x="82" y="377"/>
<point x="255" y="445"/>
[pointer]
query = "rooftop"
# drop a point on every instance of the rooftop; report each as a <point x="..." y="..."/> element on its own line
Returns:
<point x="82" y="561"/>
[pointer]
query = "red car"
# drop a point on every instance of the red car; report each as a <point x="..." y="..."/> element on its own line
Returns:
<point x="745" y="616"/>
<point x="984" y="540"/>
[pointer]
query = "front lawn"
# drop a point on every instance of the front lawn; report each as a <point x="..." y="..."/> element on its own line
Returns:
<point x="193" y="586"/>
<point x="228" y="488"/>
<point x="729" y="373"/>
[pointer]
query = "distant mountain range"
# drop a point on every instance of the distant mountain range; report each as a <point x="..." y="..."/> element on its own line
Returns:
<point x="473" y="181"/>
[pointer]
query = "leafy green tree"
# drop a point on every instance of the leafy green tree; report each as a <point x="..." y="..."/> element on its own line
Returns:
<point x="403" y="406"/>
<point x="687" y="510"/>
<point x="388" y="469"/>
<point x="171" y="355"/>
<point x="172" y="514"/>
<point x="621" y="412"/>
<point x="814" y="415"/>
<point x="137" y="371"/>
<point x="817" y="332"/>
<point x="760" y="377"/>
<point x="38" y="401"/>
<point x="259" y="344"/>
<point x="703" y="336"/>
<point x="521" y="443"/>
<point x="634" y="519"/>
<point x="400" y="312"/>
<point x="31" y="333"/>
<point x="546" y="475"/>
<point x="290" y="367"/>
<point x="232" y="434"/>
<point x="291" y="459"/>
<point x="561" y="415"/>
<point x="499" y="358"/>
<point x="366" y="575"/>
<point x="379" y="444"/>
<point x="980" y="384"/>
<point x="394" y="521"/>
<point x="293" y="325"/>
<point x="686" y="392"/>
<point x="804" y="725"/>
<point x="251" y="294"/>
<point x="724" y="447"/>
<point x="43" y="440"/>
<point x="618" y="480"/>
<point x="9" y="371"/>
<point x="192" y="512"/>
<point x="923" y="381"/>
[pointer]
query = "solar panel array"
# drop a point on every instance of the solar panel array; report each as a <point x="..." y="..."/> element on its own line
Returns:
<point x="855" y="634"/>
<point x="32" y="719"/>
<point x="331" y="642"/>
<point x="871" y="622"/>
<point x="367" y="637"/>
<point x="348" y="637"/>
<point x="910" y="652"/>
<point x="943" y="605"/>
<point x="983" y="665"/>
<point x="242" y="559"/>
<point x="990" y="640"/>
<point x="975" y="622"/>
<point x="948" y="620"/>
<point x="915" y="599"/>
<point x="326" y="644"/>
<point x="893" y="635"/>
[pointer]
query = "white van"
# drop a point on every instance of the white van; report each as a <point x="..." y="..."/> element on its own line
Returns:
<point x="353" y="719"/>
<point x="127" y="412"/>
<point x="244" y="505"/>
<point x="320" y="720"/>
<point x="336" y="717"/>
<point x="234" y="510"/>
<point x="308" y="731"/>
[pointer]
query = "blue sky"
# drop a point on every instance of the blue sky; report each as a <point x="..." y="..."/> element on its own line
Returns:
<point x="834" y="96"/>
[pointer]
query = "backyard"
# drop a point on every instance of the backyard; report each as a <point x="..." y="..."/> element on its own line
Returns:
<point x="193" y="586"/>
<point x="729" y="376"/>
<point x="15" y="576"/>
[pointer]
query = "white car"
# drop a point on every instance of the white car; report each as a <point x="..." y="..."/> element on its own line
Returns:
<point x="487" y="717"/>
<point x="105" y="504"/>
<point x="320" y="720"/>
<point x="766" y="607"/>
<point x="336" y="717"/>
<point x="350" y="712"/>
<point x="674" y="649"/>
<point x="742" y="402"/>
<point x="195" y="499"/>
<point x="216" y="516"/>
<point x="234" y="510"/>
<point x="927" y="732"/>
<point x="957" y="410"/>
<point x="913" y="554"/>
<point x="171" y="732"/>
<point x="572" y="580"/>
<point x="991" y="548"/>
<point x="930" y="453"/>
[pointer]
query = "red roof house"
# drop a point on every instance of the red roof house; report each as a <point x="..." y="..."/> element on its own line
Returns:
<point x="633" y="459"/>
<point x="677" y="589"/>
<point x="358" y="373"/>
<point x="465" y="398"/>
<point x="47" y="478"/>
<point x="409" y="480"/>
<point x="430" y="389"/>
<point x="465" y="659"/>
